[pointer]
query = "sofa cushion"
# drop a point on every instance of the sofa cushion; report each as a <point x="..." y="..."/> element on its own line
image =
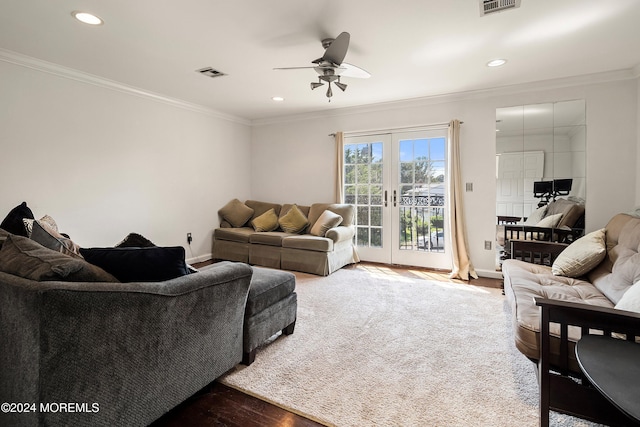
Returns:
<point x="261" y="207"/>
<point x="268" y="221"/>
<point x="536" y="216"/>
<point x="240" y="235"/>
<point x="347" y="212"/>
<point x="42" y="233"/>
<point x="270" y="238"/>
<point x="268" y="287"/>
<point x="524" y="282"/>
<point x="293" y="221"/>
<point x="325" y="222"/>
<point x="13" y="221"/>
<point x="236" y="213"/>
<point x="581" y="256"/>
<point x="154" y="264"/>
<point x="550" y="221"/>
<point x="26" y="258"/>
<point x="630" y="301"/>
<point x="621" y="267"/>
<point x="135" y="240"/>
<point x="308" y="242"/>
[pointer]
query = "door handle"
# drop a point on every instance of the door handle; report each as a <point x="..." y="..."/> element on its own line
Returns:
<point x="394" y="198"/>
<point x="385" y="198"/>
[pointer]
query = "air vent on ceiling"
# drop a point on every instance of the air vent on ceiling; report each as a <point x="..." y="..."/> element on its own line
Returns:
<point x="491" y="6"/>
<point x="211" y="72"/>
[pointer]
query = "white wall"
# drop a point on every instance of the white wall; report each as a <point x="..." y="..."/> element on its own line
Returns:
<point x="104" y="163"/>
<point x="293" y="159"/>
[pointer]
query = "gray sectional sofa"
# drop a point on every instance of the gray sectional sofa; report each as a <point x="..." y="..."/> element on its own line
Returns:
<point x="240" y="237"/>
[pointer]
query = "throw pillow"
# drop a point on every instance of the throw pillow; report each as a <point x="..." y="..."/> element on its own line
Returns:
<point x="581" y="256"/>
<point x="268" y="221"/>
<point x="49" y="238"/>
<point x="630" y="300"/>
<point x="28" y="224"/>
<point x="294" y="221"/>
<point x="26" y="258"/>
<point x="550" y="221"/>
<point x="154" y="264"/>
<point x="236" y="213"/>
<point x="325" y="222"/>
<point x="13" y="221"/>
<point x="135" y="240"/>
<point x="536" y="216"/>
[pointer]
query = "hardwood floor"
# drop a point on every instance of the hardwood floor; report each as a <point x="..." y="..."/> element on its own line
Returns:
<point x="222" y="406"/>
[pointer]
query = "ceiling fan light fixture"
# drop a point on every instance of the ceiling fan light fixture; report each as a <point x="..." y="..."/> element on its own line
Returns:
<point x="342" y="86"/>
<point x="316" y="85"/>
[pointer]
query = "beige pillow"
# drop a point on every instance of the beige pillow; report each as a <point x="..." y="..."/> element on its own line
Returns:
<point x="550" y="221"/>
<point x="268" y="221"/>
<point x="325" y="222"/>
<point x="581" y="256"/>
<point x="630" y="300"/>
<point x="536" y="216"/>
<point x="236" y="213"/>
<point x="294" y="221"/>
<point x="42" y="233"/>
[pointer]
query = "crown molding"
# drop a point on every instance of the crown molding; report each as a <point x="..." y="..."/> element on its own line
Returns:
<point x="80" y="76"/>
<point x="581" y="80"/>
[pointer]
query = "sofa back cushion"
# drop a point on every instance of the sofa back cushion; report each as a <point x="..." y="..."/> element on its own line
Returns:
<point x="347" y="212"/>
<point x="620" y="269"/>
<point x="261" y="207"/>
<point x="571" y="211"/>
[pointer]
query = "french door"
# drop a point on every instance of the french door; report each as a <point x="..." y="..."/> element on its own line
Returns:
<point x="398" y="184"/>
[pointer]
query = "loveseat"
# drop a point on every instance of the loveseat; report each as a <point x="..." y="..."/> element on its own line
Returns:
<point x="597" y="270"/>
<point x="104" y="353"/>
<point x="316" y="239"/>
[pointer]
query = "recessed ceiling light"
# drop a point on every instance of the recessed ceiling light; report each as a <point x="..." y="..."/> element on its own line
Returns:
<point x="87" y="18"/>
<point x="496" y="62"/>
<point x="278" y="98"/>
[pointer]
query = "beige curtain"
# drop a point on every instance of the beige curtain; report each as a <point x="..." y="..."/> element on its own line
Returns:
<point x="340" y="167"/>
<point x="462" y="266"/>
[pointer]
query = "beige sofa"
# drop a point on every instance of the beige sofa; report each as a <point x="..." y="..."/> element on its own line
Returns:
<point x="239" y="239"/>
<point x="603" y="285"/>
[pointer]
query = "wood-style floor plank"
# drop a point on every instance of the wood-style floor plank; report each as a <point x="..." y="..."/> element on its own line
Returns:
<point x="222" y="406"/>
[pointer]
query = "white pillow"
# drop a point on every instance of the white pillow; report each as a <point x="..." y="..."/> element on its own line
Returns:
<point x="630" y="300"/>
<point x="550" y="221"/>
<point x="581" y="256"/>
<point x="536" y="216"/>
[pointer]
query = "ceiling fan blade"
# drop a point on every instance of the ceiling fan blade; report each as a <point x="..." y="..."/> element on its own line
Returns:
<point x="294" y="68"/>
<point x="348" y="70"/>
<point x="336" y="52"/>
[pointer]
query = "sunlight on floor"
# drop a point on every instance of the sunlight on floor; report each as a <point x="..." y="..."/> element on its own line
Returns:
<point x="405" y="275"/>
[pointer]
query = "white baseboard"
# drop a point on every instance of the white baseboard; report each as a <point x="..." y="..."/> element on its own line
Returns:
<point x="199" y="258"/>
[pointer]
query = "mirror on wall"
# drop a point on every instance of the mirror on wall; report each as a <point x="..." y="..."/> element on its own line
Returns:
<point x="540" y="159"/>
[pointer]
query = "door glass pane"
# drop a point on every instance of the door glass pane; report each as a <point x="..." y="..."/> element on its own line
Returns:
<point x="422" y="194"/>
<point x="363" y="180"/>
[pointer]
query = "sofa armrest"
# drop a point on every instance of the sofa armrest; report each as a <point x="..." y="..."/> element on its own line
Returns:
<point x="558" y="389"/>
<point x="136" y="349"/>
<point x="340" y="234"/>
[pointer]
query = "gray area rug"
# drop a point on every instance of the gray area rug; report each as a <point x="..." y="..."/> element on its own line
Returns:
<point x="376" y="348"/>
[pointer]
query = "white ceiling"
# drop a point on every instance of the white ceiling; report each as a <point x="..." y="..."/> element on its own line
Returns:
<point x="412" y="48"/>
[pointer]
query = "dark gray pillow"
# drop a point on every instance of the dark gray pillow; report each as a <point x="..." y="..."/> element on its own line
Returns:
<point x="26" y="258"/>
<point x="13" y="221"/>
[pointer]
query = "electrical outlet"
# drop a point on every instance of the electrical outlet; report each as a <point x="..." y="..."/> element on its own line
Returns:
<point x="487" y="245"/>
<point x="189" y="238"/>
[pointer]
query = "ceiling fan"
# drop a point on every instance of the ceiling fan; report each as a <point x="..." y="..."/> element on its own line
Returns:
<point x="330" y="66"/>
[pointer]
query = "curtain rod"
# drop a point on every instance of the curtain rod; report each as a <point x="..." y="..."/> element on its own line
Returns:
<point x="389" y="130"/>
